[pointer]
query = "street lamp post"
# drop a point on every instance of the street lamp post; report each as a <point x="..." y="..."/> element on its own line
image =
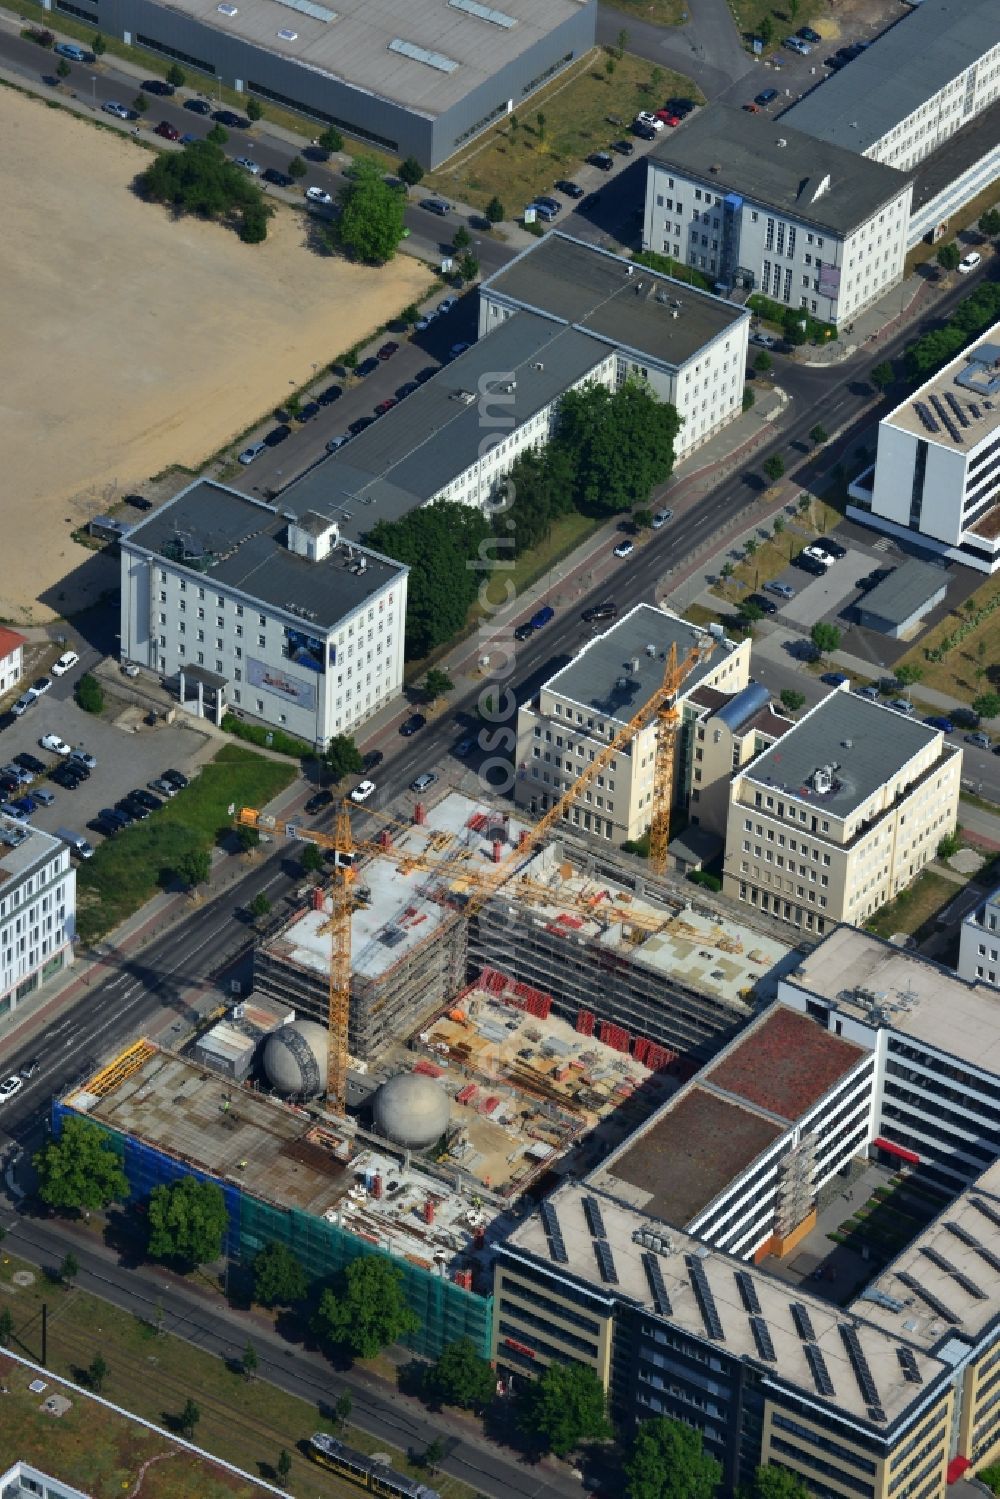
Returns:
<point x="93" y="90"/>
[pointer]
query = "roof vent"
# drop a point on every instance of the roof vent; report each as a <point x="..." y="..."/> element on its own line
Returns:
<point x="781" y="141"/>
<point x="622" y="682"/>
<point x="715" y="168"/>
<point x="651" y="650"/>
<point x="847" y="743"/>
<point x="286" y="34"/>
<point x="633" y="665"/>
<point x="226" y="9"/>
<point x="822" y="187"/>
<point x="538" y="365"/>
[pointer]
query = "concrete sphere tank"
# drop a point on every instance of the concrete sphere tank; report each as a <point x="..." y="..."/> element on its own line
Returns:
<point x="295" y="1059"/>
<point x="411" y="1110"/>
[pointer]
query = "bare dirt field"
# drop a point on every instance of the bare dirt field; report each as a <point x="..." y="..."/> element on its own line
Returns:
<point x="130" y="341"/>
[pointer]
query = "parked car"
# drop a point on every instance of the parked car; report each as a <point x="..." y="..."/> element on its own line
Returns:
<point x="158" y="86"/>
<point x="463" y="749"/>
<point x="782" y="590"/>
<point x="938" y="721"/>
<point x="542" y="616"/>
<point x="436" y="205"/>
<point x="360" y="424"/>
<point x="328" y="396"/>
<point x="30" y="763"/>
<point x="765" y="97"/>
<point x="277" y="435"/>
<point x="624" y="549"/>
<point x="808" y="35"/>
<point x="41" y="685"/>
<point x="571" y="189"/>
<point x="602" y="159"/>
<point x="42" y="796"/>
<point x="72" y="51"/>
<point x="9" y="1087"/>
<point x="644" y="132"/>
<point x="337" y="442"/>
<point x="869" y="693"/>
<point x="830" y="547"/>
<point x="797" y="44"/>
<point x="406" y="390"/>
<point x="646" y="117"/>
<point x="970" y="262"/>
<point x="318" y="801"/>
<point x="162" y="787"/>
<point x="668" y="117"/>
<point x="762" y="602"/>
<point x="447" y="305"/>
<point x="248" y="164"/>
<point x="319" y="195"/>
<point x="30" y="1068"/>
<point x="276" y="178"/>
<point x="816" y="555"/>
<point x="24" y="702"/>
<point x="138" y="502"/>
<point x="764" y="340"/>
<point x="55" y="744"/>
<point x="388" y="349"/>
<point x="176" y="779"/>
<point x="982" y="741"/>
<point x="168" y="131"/>
<point x="362" y="791"/>
<point x="836" y="679"/>
<point x="543" y="211"/>
<point x="412" y="724"/>
<point x="423" y="782"/>
<point x="901" y="705"/>
<point x="198" y="106"/>
<point x="366" y="367"/>
<point x="253" y="451"/>
<point x="66" y="662"/>
<point x="66" y="778"/>
<point x="523" y="631"/>
<point x="661" y="517"/>
<point x="372" y="760"/>
<point x="308" y="411"/>
<point x="112" y="107"/>
<point x="230" y="120"/>
<point x="623" y="147"/>
<point x="607" y="610"/>
<point x="386" y="405"/>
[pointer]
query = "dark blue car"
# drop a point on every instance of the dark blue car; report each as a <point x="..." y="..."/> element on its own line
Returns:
<point x="944" y="724"/>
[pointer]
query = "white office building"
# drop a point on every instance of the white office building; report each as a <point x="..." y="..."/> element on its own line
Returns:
<point x="688" y="346"/>
<point x="916" y="86"/>
<point x="751" y="202"/>
<point x="979" y="943"/>
<point x="37" y="911"/>
<point x="937" y="468"/>
<point x="271" y="613"/>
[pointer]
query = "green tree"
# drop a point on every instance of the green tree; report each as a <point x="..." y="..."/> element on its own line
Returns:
<point x="763" y="362"/>
<point x="330" y="140"/>
<point x="187" y="1221"/>
<point x="90" y="694"/>
<point x="437" y="684"/>
<point x="297" y="168"/>
<point x="766" y="30"/>
<point x="987" y="705"/>
<point x="778" y="1483"/>
<point x="819" y="435"/>
<point x="656" y="80"/>
<point x="176" y="75"/>
<point x="194" y="867"/>
<point x="907" y="675"/>
<point x="311" y="860"/>
<point x="200" y="180"/>
<point x="98" y="45"/>
<point x="882" y="375"/>
<point x="667" y="1462"/>
<point x="621" y="42"/>
<point x="791" y="700"/>
<point x="774" y="467"/>
<point x="621" y="445"/>
<point x="749" y="399"/>
<point x="218" y="135"/>
<point x="726" y="570"/>
<point x="6" y="1326"/>
<point x="950" y="844"/>
<point x="495" y="211"/>
<point x="468" y="267"/>
<point x="370" y="1310"/>
<point x="248" y="839"/>
<point x="750" y="546"/>
<point x="564" y="1407"/>
<point x="461" y="239"/>
<point x="642" y="518"/>
<point x="283" y="1467"/>
<point x="610" y="63"/>
<point x="540" y="124"/>
<point x="371" y="215"/>
<point x="278" y="1278"/>
<point x="989" y="223"/>
<point x="514" y="122"/>
<point x="69" y="1269"/>
<point x="410" y="171"/>
<point x="81" y="1169"/>
<point x="260" y="906"/>
<point x="825" y="637"/>
<point x="948" y="256"/>
<point x="97" y="1373"/>
<point x="343" y="1408"/>
<point x="460" y="1377"/>
<point x="255" y="110"/>
<point x="779" y="524"/>
<point x="342" y="758"/>
<point x="250" y="1362"/>
<point x="62" y="68"/>
<point x="438" y="542"/>
<point x="749" y="613"/>
<point x="140" y="103"/>
<point x="188" y="1418"/>
<point x="433" y="1453"/>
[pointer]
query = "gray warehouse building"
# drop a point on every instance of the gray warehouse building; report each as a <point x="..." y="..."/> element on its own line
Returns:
<point x="896" y="606"/>
<point x="421" y="79"/>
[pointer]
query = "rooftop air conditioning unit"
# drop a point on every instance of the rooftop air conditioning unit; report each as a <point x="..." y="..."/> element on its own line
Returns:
<point x="227" y="10"/>
<point x="286" y="34"/>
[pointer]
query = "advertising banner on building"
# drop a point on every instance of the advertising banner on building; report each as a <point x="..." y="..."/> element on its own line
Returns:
<point x="829" y="281"/>
<point x="308" y="650"/>
<point x="273" y="679"/>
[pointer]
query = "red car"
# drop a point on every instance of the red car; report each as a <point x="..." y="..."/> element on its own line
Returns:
<point x="168" y="131"/>
<point x="668" y="117"/>
<point x="384" y="406"/>
<point x="387" y="350"/>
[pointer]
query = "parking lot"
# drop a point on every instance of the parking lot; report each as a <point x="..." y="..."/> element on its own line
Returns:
<point x="127" y="757"/>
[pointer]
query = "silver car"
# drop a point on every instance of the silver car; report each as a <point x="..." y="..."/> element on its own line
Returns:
<point x="782" y="590"/>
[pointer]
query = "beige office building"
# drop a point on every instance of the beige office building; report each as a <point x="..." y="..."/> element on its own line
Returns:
<point x="840" y="814"/>
<point x="584" y="705"/>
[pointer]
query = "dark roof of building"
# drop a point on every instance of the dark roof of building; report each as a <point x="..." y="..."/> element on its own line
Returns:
<point x="901" y="70"/>
<point x="225" y="538"/>
<point x="784" y="1064"/>
<point x="910" y="589"/>
<point x="616" y="674"/>
<point x="867" y="743"/>
<point x="955" y="156"/>
<point x="624" y="305"/>
<point x="437" y="432"/>
<point x="770" y="162"/>
<point x="692" y="1151"/>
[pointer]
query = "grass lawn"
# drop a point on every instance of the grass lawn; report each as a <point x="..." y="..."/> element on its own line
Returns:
<point x="660" y="12"/>
<point x="978" y="801"/>
<point x="979" y="651"/>
<point x="750" y="13"/>
<point x="245" y="1423"/>
<point x="915" y="907"/>
<point x="127" y="870"/>
<point x="515" y="162"/>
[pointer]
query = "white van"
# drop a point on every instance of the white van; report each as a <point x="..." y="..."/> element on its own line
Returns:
<point x="77" y="844"/>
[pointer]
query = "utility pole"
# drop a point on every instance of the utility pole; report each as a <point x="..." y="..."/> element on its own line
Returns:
<point x="45" y="1333"/>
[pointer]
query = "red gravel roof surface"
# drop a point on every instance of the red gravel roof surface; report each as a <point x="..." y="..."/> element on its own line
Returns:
<point x="785" y="1064"/>
<point x="693" y="1151"/>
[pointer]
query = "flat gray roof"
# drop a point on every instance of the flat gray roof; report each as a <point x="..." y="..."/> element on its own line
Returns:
<point x="21" y="848"/>
<point x="352" y="41"/>
<point x="225" y="537"/>
<point x="907" y="590"/>
<point x="956" y="408"/>
<point x="437" y="432"/>
<point x="768" y="162"/>
<point x="614" y="676"/>
<point x="902" y="69"/>
<point x="622" y="304"/>
<point x="881" y="741"/>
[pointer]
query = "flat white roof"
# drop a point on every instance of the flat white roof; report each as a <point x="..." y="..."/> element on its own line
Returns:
<point x="959" y="407"/>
